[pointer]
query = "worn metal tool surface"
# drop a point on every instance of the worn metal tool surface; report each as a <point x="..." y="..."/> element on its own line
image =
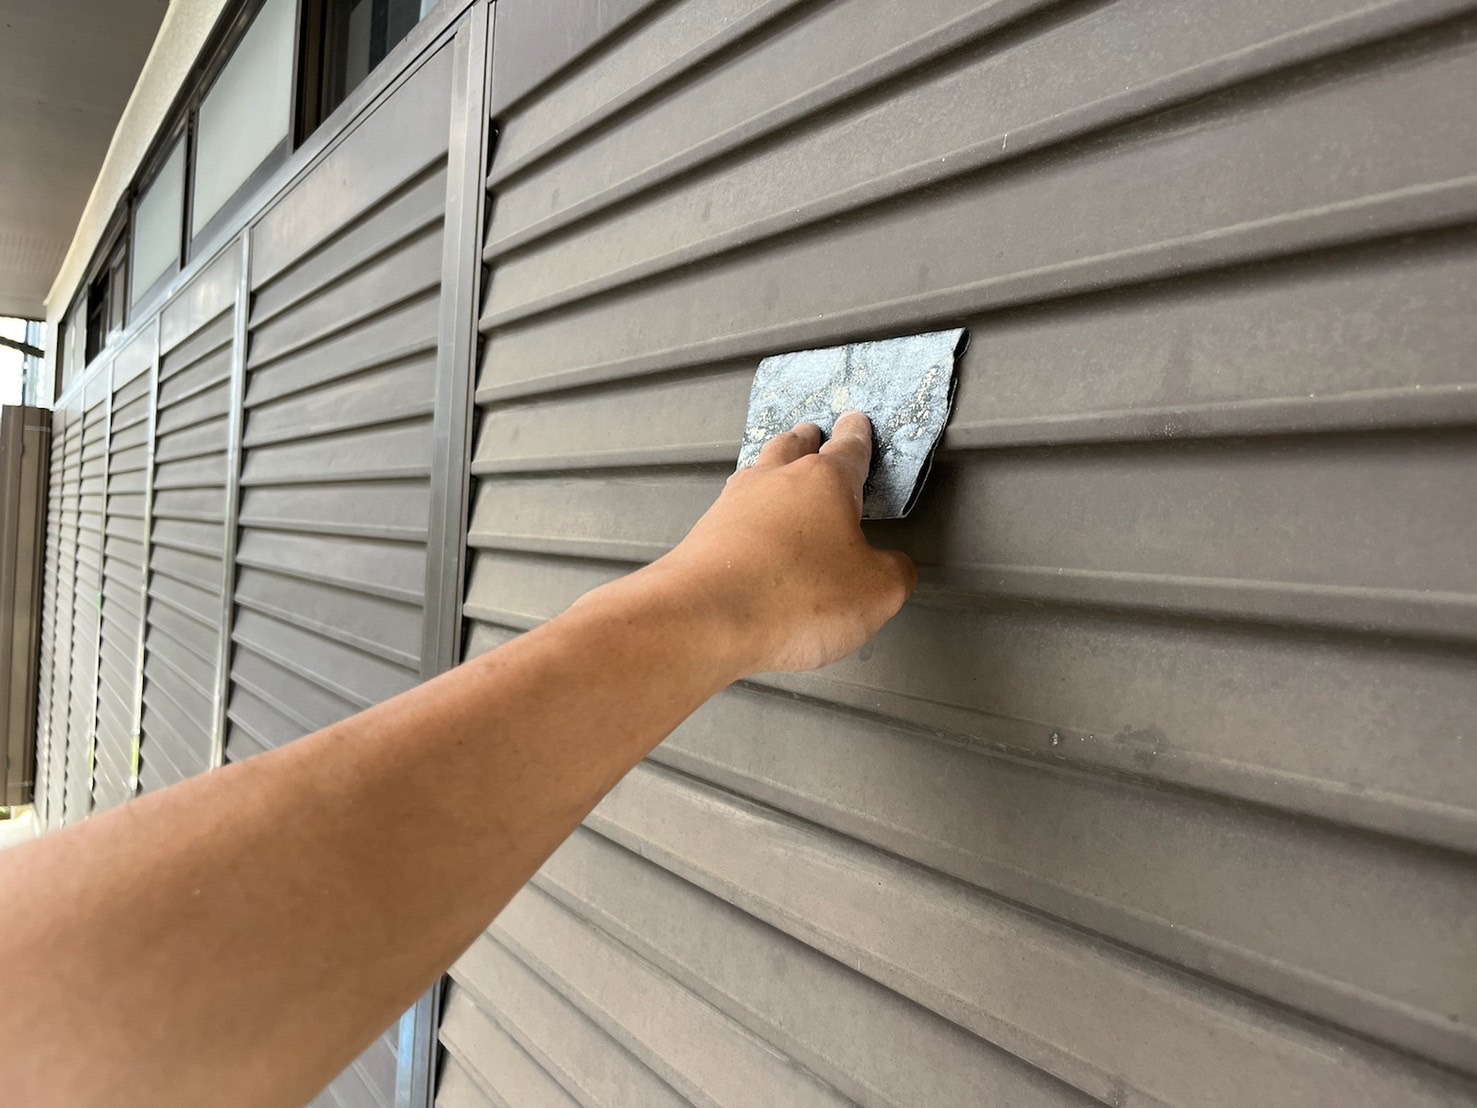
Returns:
<point x="904" y="385"/>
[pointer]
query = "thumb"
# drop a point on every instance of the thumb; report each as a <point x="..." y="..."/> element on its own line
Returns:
<point x="900" y="572"/>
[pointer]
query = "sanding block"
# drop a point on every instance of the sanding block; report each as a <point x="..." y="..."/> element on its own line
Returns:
<point x="904" y="385"/>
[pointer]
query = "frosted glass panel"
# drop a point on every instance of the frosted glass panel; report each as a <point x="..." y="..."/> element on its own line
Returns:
<point x="247" y="111"/>
<point x="156" y="225"/>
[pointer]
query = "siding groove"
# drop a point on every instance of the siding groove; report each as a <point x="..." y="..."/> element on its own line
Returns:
<point x="494" y="1060"/>
<point x="264" y="691"/>
<point x="818" y="1011"/>
<point x="286" y="553"/>
<point x="458" y="1089"/>
<point x="412" y="210"/>
<point x="695" y="1048"/>
<point x="589" y="1065"/>
<point x="399" y="334"/>
<point x="405" y="658"/>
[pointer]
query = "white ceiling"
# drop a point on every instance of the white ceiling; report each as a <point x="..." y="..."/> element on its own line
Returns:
<point x="66" y="70"/>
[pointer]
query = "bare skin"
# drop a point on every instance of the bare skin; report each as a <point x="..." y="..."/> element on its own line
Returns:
<point x="239" y="938"/>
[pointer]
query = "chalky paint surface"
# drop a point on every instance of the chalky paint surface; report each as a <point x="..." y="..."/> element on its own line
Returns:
<point x="904" y="385"/>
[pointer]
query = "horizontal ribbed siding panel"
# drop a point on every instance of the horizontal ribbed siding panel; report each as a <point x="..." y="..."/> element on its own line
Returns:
<point x="125" y="562"/>
<point x="337" y="446"/>
<point x="1172" y="725"/>
<point x="703" y="1052"/>
<point x="88" y="469"/>
<point x="823" y="1014"/>
<point x="370" y="1081"/>
<point x="335" y="478"/>
<point x="457" y="1088"/>
<point x="68" y="465"/>
<point x="50" y="731"/>
<point x="186" y="570"/>
<point x="498" y="1068"/>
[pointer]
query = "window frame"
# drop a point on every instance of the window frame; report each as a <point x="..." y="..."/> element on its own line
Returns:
<point x="318" y="70"/>
<point x="180" y="123"/>
<point x="152" y="167"/>
<point x="110" y="255"/>
<point x="200" y="84"/>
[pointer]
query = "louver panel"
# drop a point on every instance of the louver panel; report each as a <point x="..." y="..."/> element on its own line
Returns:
<point x="124" y="567"/>
<point x="86" y="472"/>
<point x="1160" y="791"/>
<point x="187" y="571"/>
<point x="51" y="681"/>
<point x="340" y="393"/>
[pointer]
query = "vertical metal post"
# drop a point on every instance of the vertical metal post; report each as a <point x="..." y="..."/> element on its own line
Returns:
<point x="456" y="355"/>
<point x="456" y="346"/>
<point x="236" y="420"/>
<point x="137" y="707"/>
<point x="102" y="546"/>
<point x="76" y="425"/>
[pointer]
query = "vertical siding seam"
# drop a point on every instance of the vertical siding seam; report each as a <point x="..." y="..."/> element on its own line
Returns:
<point x="102" y="557"/>
<point x="151" y="445"/>
<point x="456" y="350"/>
<point x="451" y="444"/>
<point x="92" y="640"/>
<point x="234" y="427"/>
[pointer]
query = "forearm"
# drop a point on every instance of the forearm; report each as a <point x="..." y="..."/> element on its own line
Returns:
<point x="238" y="938"/>
<point x="330" y="882"/>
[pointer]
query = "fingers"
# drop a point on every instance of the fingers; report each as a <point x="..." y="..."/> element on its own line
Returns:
<point x="850" y="446"/>
<point x="803" y="439"/>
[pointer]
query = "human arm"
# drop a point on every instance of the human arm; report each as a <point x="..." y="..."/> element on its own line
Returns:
<point x="239" y="938"/>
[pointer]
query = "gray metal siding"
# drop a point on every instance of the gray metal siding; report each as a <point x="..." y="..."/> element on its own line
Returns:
<point x="458" y="1088"/>
<point x="238" y="548"/>
<point x="337" y="446"/>
<point x="369" y="1082"/>
<point x="187" y="528"/>
<point x="50" y="771"/>
<point x="1158" y="792"/>
<point x="124" y="562"/>
<point x="335" y="479"/>
<point x="86" y="473"/>
<point x="67" y="432"/>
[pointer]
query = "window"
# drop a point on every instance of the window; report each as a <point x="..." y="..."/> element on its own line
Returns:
<point x="106" y="297"/>
<point x="343" y="41"/>
<point x="156" y="225"/>
<point x="270" y="73"/>
<point x="71" y="343"/>
<point x="246" y="116"/>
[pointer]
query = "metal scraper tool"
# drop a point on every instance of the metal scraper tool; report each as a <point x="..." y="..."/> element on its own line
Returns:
<point x="904" y="385"/>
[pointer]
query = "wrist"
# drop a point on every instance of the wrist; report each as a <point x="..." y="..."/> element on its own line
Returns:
<point x="668" y="604"/>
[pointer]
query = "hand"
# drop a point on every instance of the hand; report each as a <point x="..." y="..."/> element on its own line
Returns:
<point x="782" y="559"/>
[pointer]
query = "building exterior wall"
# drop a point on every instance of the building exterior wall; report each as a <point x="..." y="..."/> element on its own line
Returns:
<point x="182" y="35"/>
<point x="250" y="483"/>
<point x="1161" y="790"/>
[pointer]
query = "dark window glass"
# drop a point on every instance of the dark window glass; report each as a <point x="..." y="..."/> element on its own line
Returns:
<point x="345" y="40"/>
<point x="107" y="294"/>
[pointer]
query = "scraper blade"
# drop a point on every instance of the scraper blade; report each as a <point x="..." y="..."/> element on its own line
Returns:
<point x="904" y="385"/>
